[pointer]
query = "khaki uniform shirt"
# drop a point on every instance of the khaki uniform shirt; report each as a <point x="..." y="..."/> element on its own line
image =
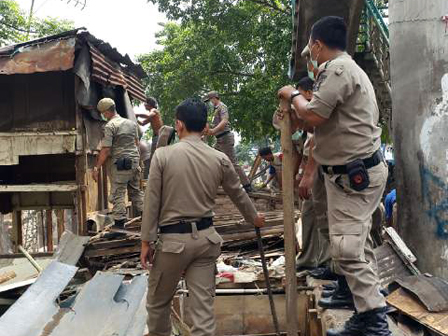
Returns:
<point x="183" y="182"/>
<point x="344" y="95"/>
<point x="221" y="112"/>
<point x="121" y="134"/>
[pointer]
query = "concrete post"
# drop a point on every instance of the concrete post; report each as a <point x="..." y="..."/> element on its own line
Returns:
<point x="419" y="75"/>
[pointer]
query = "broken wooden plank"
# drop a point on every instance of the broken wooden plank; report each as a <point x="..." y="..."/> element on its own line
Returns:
<point x="6" y="276"/>
<point x="411" y="306"/>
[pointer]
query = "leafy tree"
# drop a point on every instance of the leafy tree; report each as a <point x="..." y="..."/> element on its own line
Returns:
<point x="238" y="48"/>
<point x="15" y="26"/>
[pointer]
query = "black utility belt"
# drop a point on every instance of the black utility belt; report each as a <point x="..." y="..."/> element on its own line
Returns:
<point x="186" y="227"/>
<point x="370" y="162"/>
<point x="356" y="170"/>
<point x="222" y="134"/>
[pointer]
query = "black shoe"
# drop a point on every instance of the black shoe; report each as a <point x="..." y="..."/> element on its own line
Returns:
<point x="330" y="286"/>
<point x="327" y="293"/>
<point x="342" y="297"/>
<point x="353" y="327"/>
<point x="119" y="224"/>
<point x="248" y="188"/>
<point x="375" y="322"/>
<point x="323" y="273"/>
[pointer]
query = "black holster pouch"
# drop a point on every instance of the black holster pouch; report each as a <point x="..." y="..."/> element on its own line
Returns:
<point x="358" y="175"/>
<point x="124" y="163"/>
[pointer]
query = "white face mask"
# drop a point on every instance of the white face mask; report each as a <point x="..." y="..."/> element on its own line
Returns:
<point x="103" y="117"/>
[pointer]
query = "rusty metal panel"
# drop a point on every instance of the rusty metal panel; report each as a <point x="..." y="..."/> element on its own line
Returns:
<point x="106" y="72"/>
<point x="51" y="56"/>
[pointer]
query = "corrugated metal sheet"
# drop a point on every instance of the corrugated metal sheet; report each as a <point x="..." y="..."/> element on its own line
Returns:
<point x="107" y="73"/>
<point x="69" y="251"/>
<point x="105" y="306"/>
<point x="57" y="53"/>
<point x="36" y="307"/>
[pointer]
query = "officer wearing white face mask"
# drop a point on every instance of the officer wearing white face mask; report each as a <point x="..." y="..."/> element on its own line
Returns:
<point x="344" y="114"/>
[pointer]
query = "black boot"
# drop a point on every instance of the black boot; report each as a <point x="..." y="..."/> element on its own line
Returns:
<point x="353" y="327"/>
<point x="248" y="188"/>
<point x="119" y="224"/>
<point x="375" y="322"/>
<point x="341" y="298"/>
<point x="323" y="273"/>
<point x="330" y="286"/>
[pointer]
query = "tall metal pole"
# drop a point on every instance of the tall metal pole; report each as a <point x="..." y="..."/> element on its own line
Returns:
<point x="419" y="75"/>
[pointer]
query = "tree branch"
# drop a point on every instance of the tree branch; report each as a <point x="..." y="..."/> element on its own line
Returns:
<point x="237" y="73"/>
<point x="271" y="4"/>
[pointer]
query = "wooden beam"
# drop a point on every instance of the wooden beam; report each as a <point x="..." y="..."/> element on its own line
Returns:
<point x="49" y="231"/>
<point x="60" y="215"/>
<point x="254" y="168"/>
<point x="17" y="229"/>
<point x="48" y="187"/>
<point x="288" y="217"/>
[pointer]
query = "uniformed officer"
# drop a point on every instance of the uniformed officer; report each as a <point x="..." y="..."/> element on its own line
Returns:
<point x="345" y="115"/>
<point x="315" y="243"/>
<point x="120" y="142"/>
<point x="225" y="140"/>
<point x="178" y="212"/>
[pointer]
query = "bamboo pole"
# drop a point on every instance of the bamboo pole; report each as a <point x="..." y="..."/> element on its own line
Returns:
<point x="288" y="220"/>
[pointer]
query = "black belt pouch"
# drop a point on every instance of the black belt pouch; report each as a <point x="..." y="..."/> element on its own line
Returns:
<point x="358" y="175"/>
<point x="124" y="163"/>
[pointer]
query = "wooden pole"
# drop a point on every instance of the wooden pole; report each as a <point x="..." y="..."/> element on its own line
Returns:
<point x="254" y="168"/>
<point x="17" y="229"/>
<point x="288" y="217"/>
<point x="49" y="231"/>
<point x="60" y="215"/>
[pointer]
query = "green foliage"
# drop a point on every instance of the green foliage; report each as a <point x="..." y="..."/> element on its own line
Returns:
<point x="238" y="48"/>
<point x="14" y="24"/>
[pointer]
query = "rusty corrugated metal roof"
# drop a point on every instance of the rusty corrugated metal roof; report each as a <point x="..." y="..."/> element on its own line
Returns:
<point x="107" y="73"/>
<point x="57" y="52"/>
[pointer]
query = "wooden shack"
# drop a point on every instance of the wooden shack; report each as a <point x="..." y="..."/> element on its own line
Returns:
<point x="50" y="130"/>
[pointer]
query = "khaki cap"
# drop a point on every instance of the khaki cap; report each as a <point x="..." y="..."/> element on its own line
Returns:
<point x="306" y="51"/>
<point x="105" y="104"/>
<point x="210" y="95"/>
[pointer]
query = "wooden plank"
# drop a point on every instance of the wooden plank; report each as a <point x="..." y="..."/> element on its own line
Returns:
<point x="412" y="307"/>
<point x="6" y="276"/>
<point x="60" y="215"/>
<point x="45" y="187"/>
<point x="250" y="314"/>
<point x="255" y="166"/>
<point x="288" y="209"/>
<point x="17" y="229"/>
<point x="114" y="252"/>
<point x="49" y="231"/>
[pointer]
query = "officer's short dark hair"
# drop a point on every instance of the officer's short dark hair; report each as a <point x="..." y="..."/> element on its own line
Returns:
<point x="265" y="151"/>
<point x="305" y="83"/>
<point x="332" y="31"/>
<point x="193" y="113"/>
<point x="151" y="101"/>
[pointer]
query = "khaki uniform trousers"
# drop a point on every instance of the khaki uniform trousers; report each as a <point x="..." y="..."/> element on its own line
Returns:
<point x="120" y="182"/>
<point x="350" y="220"/>
<point x="315" y="237"/>
<point x="195" y="254"/>
<point x="226" y="144"/>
